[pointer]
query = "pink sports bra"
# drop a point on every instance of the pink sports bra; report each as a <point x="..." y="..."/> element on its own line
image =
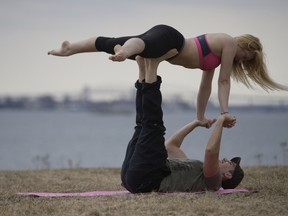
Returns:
<point x="208" y="60"/>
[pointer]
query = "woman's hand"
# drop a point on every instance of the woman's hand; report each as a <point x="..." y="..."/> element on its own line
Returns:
<point x="229" y="120"/>
<point x="207" y="123"/>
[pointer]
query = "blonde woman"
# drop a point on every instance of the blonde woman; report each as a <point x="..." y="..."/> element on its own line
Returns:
<point x="240" y="57"/>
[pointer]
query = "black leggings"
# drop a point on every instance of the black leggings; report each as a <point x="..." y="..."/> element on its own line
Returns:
<point x="158" y="40"/>
<point x="144" y="165"/>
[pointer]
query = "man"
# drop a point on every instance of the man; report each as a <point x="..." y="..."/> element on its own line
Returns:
<point x="149" y="165"/>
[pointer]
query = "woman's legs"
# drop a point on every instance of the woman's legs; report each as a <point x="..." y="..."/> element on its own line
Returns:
<point x="68" y="48"/>
<point x="131" y="47"/>
<point x="152" y="44"/>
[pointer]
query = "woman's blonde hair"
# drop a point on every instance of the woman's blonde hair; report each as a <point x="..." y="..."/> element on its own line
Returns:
<point x="253" y="70"/>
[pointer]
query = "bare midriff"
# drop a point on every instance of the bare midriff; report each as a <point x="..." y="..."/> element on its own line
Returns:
<point x="188" y="56"/>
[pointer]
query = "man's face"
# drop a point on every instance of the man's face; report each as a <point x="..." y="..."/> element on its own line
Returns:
<point x="226" y="165"/>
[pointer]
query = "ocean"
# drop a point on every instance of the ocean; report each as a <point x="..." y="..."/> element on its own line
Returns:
<point x="60" y="139"/>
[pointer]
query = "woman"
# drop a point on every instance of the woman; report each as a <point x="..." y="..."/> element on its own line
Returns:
<point x="240" y="57"/>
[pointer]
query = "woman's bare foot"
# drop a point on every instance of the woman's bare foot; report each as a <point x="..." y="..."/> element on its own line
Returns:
<point x="120" y="54"/>
<point x="63" y="51"/>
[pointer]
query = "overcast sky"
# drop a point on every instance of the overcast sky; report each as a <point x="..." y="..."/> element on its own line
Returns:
<point x="30" y="28"/>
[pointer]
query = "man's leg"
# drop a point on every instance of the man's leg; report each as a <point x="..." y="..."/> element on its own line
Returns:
<point x="148" y="163"/>
<point x="138" y="128"/>
<point x="147" y="166"/>
<point x="139" y="117"/>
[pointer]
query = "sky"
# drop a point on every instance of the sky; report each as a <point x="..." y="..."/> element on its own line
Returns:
<point x="30" y="28"/>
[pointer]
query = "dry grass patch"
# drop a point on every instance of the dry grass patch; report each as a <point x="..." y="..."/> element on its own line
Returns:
<point x="271" y="182"/>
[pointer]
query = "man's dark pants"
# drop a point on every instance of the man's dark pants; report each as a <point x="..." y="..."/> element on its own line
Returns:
<point x="144" y="165"/>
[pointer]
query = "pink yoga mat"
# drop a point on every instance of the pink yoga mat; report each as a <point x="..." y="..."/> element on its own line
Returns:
<point x="112" y="193"/>
<point x="79" y="194"/>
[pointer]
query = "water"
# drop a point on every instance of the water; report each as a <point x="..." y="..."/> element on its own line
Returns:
<point x="36" y="140"/>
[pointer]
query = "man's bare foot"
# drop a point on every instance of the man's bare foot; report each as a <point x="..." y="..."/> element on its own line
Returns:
<point x="120" y="54"/>
<point x="141" y="63"/>
<point x="63" y="51"/>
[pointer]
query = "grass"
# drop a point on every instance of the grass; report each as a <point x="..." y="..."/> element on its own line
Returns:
<point x="270" y="182"/>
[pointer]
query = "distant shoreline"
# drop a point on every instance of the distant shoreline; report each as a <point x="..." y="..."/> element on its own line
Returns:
<point x="119" y="106"/>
